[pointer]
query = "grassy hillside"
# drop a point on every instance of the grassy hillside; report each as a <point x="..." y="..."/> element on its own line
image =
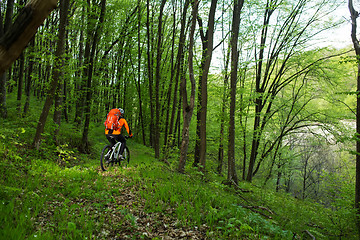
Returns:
<point x="59" y="193"/>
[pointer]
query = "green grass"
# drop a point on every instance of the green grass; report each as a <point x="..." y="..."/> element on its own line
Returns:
<point x="59" y="193"/>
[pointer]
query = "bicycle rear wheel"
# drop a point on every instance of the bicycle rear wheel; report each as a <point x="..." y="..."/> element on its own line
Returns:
<point x="126" y="154"/>
<point x="105" y="161"/>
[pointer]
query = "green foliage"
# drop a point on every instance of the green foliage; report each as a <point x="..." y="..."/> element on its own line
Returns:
<point x="56" y="192"/>
<point x="45" y="198"/>
<point x="196" y="203"/>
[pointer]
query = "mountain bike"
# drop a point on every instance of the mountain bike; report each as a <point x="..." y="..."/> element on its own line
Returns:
<point x="110" y="156"/>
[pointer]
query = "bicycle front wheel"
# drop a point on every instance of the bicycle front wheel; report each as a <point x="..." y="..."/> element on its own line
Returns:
<point x="126" y="154"/>
<point x="105" y="161"/>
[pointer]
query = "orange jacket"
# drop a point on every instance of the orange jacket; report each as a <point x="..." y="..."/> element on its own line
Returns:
<point x="122" y="122"/>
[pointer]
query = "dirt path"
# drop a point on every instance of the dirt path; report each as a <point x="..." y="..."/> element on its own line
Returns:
<point x="121" y="216"/>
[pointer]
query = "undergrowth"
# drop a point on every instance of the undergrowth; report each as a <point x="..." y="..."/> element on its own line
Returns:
<point x="58" y="193"/>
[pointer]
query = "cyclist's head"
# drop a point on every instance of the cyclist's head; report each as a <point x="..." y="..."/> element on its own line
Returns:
<point x="121" y="111"/>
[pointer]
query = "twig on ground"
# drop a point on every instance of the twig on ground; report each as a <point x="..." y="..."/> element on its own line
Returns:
<point x="310" y="235"/>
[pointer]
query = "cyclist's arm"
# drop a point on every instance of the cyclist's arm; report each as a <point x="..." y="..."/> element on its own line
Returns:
<point x="127" y="127"/>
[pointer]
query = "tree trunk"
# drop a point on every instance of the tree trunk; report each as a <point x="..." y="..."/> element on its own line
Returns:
<point x="207" y="49"/>
<point x="223" y="111"/>
<point x="28" y="79"/>
<point x="188" y="108"/>
<point x="80" y="82"/>
<point x="232" y="176"/>
<point x="178" y="70"/>
<point x="171" y="83"/>
<point x="66" y="106"/>
<point x="157" y="82"/>
<point x="139" y="76"/>
<point x="20" y="81"/>
<point x="150" y="73"/>
<point x="58" y="104"/>
<point x="8" y="15"/>
<point x="56" y="73"/>
<point x="23" y="29"/>
<point x="3" y="29"/>
<point x="354" y="15"/>
<point x="89" y="67"/>
<point x="259" y="92"/>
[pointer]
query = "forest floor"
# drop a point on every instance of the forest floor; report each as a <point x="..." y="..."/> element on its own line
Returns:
<point x="58" y="193"/>
<point x="125" y="216"/>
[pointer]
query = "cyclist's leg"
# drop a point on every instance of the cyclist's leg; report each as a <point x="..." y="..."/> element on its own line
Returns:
<point x="111" y="139"/>
<point x="121" y="138"/>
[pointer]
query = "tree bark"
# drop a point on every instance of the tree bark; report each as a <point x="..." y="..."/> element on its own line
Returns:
<point x="232" y="176"/>
<point x="150" y="73"/>
<point x="9" y="14"/>
<point x="207" y="50"/>
<point x="28" y="79"/>
<point x="157" y="82"/>
<point x="188" y="108"/>
<point x="20" y="80"/>
<point x="23" y="29"/>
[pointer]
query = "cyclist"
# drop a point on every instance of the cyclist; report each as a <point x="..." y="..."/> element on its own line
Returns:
<point x="114" y="122"/>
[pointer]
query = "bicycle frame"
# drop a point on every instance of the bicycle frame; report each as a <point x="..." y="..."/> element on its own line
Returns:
<point x="115" y="152"/>
<point x="110" y="155"/>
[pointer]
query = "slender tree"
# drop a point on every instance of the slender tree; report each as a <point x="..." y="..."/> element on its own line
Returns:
<point x="29" y="77"/>
<point x="157" y="80"/>
<point x="232" y="176"/>
<point x="20" y="80"/>
<point x="207" y="39"/>
<point x="178" y="69"/>
<point x="89" y="68"/>
<point x="80" y="81"/>
<point x="188" y="108"/>
<point x="139" y="75"/>
<point x="225" y="94"/>
<point x="171" y="82"/>
<point x="150" y="71"/>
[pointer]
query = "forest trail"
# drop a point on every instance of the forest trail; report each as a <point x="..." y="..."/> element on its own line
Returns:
<point x="121" y="214"/>
<point x="128" y="209"/>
